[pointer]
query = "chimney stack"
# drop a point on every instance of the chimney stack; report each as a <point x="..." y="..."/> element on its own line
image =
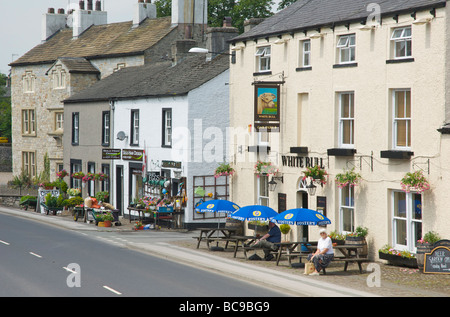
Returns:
<point x="217" y="38"/>
<point x="144" y="11"/>
<point x="84" y="19"/>
<point x="52" y="22"/>
<point x="180" y="50"/>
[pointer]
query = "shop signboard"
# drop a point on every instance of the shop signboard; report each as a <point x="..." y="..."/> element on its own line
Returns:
<point x="111" y="154"/>
<point x="438" y="261"/>
<point x="171" y="164"/>
<point x="267" y="107"/>
<point x="133" y="155"/>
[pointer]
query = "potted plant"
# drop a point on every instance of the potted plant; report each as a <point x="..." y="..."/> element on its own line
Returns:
<point x="265" y="168"/>
<point x="317" y="173"/>
<point x="54" y="204"/>
<point x="285" y="228"/>
<point x="106" y="218"/>
<point x="425" y="245"/>
<point x="100" y="176"/>
<point x="73" y="192"/>
<point x="88" y="177"/>
<point x="224" y="169"/>
<point x="358" y="237"/>
<point x="102" y="196"/>
<point x="138" y="226"/>
<point x="337" y="238"/>
<point x="348" y="178"/>
<point x="396" y="257"/>
<point x="47" y="185"/>
<point x="415" y="181"/>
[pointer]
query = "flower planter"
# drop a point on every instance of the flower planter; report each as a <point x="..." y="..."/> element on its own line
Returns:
<point x="338" y="242"/>
<point x="363" y="251"/>
<point x="105" y="223"/>
<point x="398" y="260"/>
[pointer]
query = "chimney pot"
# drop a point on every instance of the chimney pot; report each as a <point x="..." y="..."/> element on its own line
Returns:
<point x="227" y="22"/>
<point x="51" y="10"/>
<point x="98" y="5"/>
<point x="81" y="4"/>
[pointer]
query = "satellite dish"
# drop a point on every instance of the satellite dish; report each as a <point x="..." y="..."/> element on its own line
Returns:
<point x="121" y="136"/>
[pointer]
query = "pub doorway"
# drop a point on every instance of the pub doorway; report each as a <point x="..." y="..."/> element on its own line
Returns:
<point x="302" y="202"/>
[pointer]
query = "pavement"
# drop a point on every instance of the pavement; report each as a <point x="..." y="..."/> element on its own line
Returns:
<point x="179" y="246"/>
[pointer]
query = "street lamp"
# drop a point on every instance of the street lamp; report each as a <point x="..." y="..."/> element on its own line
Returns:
<point x="273" y="184"/>
<point x="311" y="188"/>
<point x="206" y="51"/>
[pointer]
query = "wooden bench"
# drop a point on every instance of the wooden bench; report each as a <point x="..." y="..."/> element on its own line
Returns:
<point x="276" y="253"/>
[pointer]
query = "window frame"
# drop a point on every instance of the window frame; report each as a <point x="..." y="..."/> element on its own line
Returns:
<point x="75" y="166"/>
<point x="400" y="39"/>
<point x="263" y="53"/>
<point x="75" y="128"/>
<point x="346" y="47"/>
<point x="59" y="77"/>
<point x="306" y="53"/>
<point x="106" y="128"/>
<point x="29" y="163"/>
<point x="396" y="120"/>
<point x="262" y="199"/>
<point x="28" y="123"/>
<point x="350" y="207"/>
<point x="134" y="128"/>
<point x="29" y="82"/>
<point x="167" y="130"/>
<point x="59" y="122"/>
<point x="350" y="118"/>
<point x="412" y="233"/>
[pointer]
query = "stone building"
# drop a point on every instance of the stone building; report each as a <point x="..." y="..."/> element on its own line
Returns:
<point x="79" y="48"/>
<point x="352" y="84"/>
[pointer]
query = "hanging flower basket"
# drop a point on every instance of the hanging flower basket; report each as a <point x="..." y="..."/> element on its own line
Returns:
<point x="100" y="177"/>
<point x="265" y="168"/>
<point x="348" y="178"/>
<point x="62" y="174"/>
<point x="415" y="181"/>
<point x="224" y="169"/>
<point x="88" y="177"/>
<point x="316" y="173"/>
<point x="78" y="175"/>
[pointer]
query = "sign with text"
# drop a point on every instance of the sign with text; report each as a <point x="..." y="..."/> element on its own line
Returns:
<point x="267" y="103"/>
<point x="171" y="164"/>
<point x="133" y="155"/>
<point x="111" y="154"/>
<point x="438" y="261"/>
<point x="300" y="161"/>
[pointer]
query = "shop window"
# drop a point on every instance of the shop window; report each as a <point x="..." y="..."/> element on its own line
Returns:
<point x="347" y="48"/>
<point x="346" y="119"/>
<point x="263" y="58"/>
<point x="402" y="119"/>
<point x="106" y="182"/>
<point x="406" y="220"/>
<point x="91" y="183"/>
<point x="347" y="209"/>
<point x="401" y="42"/>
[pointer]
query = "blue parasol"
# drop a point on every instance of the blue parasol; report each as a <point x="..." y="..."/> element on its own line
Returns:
<point x="254" y="212"/>
<point x="301" y="217"/>
<point x="217" y="205"/>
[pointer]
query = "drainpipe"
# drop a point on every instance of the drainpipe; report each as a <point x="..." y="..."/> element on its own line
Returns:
<point x="112" y="171"/>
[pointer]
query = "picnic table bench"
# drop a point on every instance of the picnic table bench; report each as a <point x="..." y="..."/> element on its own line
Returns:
<point x="206" y="235"/>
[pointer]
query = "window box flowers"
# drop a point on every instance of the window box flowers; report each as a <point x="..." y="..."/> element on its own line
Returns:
<point x="265" y="168"/>
<point x="224" y="169"/>
<point x="396" y="257"/>
<point x="415" y="181"/>
<point x="348" y="178"/>
<point x="317" y="174"/>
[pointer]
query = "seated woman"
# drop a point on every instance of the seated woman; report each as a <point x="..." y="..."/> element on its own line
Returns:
<point x="324" y="253"/>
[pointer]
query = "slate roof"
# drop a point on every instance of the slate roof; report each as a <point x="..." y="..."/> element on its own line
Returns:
<point x="99" y="41"/>
<point x="155" y="80"/>
<point x="311" y="14"/>
<point x="78" y="65"/>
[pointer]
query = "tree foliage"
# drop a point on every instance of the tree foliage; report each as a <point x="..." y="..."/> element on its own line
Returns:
<point x="5" y="110"/>
<point x="285" y="3"/>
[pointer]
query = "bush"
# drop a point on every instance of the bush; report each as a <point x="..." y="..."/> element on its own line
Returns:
<point x="74" y="201"/>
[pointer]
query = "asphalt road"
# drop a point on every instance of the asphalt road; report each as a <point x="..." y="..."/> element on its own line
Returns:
<point x="41" y="260"/>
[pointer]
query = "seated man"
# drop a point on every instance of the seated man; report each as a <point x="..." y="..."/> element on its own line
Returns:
<point x="267" y="241"/>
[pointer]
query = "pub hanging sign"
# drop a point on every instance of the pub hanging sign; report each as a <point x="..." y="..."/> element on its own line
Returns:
<point x="267" y="107"/>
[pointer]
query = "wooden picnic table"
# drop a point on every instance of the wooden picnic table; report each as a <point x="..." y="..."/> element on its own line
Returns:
<point x="350" y="253"/>
<point x="207" y="234"/>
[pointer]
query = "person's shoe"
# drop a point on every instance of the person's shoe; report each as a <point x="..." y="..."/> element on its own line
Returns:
<point x="314" y="274"/>
<point x="269" y="257"/>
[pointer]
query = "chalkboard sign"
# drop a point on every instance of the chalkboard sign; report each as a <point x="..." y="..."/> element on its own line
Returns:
<point x="438" y="261"/>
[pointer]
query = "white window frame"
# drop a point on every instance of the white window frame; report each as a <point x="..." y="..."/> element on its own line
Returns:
<point x="59" y="120"/>
<point x="29" y="163"/>
<point x="411" y="236"/>
<point x="402" y="36"/>
<point x="396" y="120"/>
<point x="75" y="128"/>
<point x="167" y="127"/>
<point x="106" y="122"/>
<point x="134" y="127"/>
<point x="344" y="44"/>
<point x="347" y="208"/>
<point x="306" y="53"/>
<point x="263" y="54"/>
<point x="350" y="118"/>
<point x="263" y="193"/>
